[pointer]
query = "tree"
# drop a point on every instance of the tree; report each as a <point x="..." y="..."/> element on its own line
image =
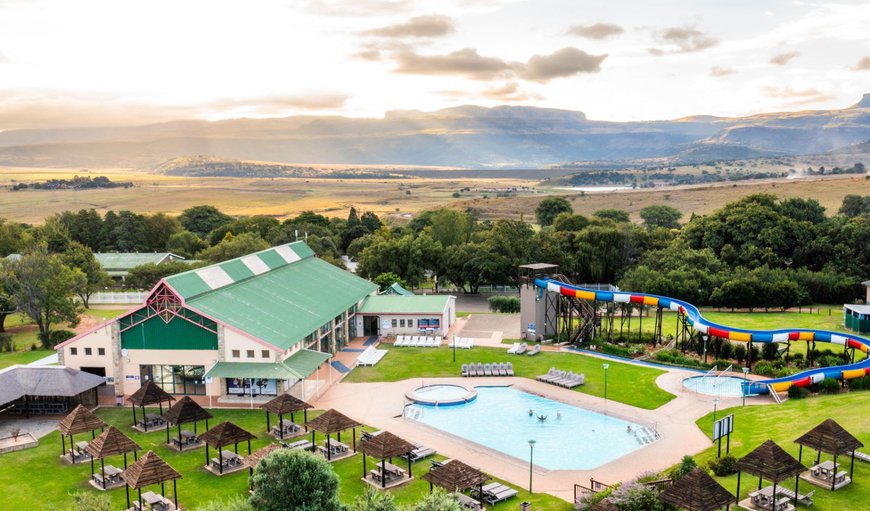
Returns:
<point x="7" y="301"/>
<point x="146" y="276"/>
<point x="373" y="500"/>
<point x="13" y="238"/>
<point x="44" y="289"/>
<point x="292" y="479"/>
<point x="450" y="227"/>
<point x="352" y="218"/>
<point x="853" y="205"/>
<point x="661" y="216"/>
<point x="438" y="500"/>
<point x="201" y="220"/>
<point x="185" y="244"/>
<point x="82" y="257"/>
<point x="84" y="226"/>
<point x="385" y="280"/>
<point x="570" y="222"/>
<point x="260" y="225"/>
<point x="617" y="215"/>
<point x="52" y="234"/>
<point x="159" y="228"/>
<point x="370" y="221"/>
<point x="549" y="208"/>
<point x="234" y="246"/>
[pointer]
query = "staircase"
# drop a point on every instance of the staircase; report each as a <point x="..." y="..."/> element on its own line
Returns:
<point x="584" y="312"/>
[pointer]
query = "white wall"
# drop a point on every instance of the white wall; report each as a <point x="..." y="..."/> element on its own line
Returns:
<point x="236" y="341"/>
<point x="99" y="338"/>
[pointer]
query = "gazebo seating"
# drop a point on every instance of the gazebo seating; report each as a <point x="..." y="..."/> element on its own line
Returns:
<point x="80" y="420"/>
<point x="829" y="437"/>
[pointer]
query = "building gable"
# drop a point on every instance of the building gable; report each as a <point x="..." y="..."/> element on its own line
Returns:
<point x="164" y="324"/>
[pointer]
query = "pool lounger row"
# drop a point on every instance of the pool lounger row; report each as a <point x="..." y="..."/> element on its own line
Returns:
<point x="462" y="343"/>
<point x="563" y="379"/>
<point x="494" y="493"/>
<point x="418" y="341"/>
<point x="494" y="369"/>
<point x="370" y="356"/>
<point x="523" y="349"/>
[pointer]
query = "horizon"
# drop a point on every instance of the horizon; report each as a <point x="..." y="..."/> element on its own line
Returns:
<point x="102" y="63"/>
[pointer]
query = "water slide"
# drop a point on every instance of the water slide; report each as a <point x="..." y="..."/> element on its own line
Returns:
<point x="694" y="317"/>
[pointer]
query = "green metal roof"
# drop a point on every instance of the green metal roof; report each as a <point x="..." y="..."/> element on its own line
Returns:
<point x="398" y="304"/>
<point x="299" y="365"/>
<point x="279" y="295"/>
<point x="397" y="289"/>
<point x="123" y="261"/>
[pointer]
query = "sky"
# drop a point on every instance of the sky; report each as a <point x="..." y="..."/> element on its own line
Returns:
<point x="110" y="62"/>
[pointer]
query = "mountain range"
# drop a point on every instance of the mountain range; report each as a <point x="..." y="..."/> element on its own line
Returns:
<point x="465" y="136"/>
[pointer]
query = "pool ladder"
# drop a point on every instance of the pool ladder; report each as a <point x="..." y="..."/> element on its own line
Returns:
<point x="645" y="435"/>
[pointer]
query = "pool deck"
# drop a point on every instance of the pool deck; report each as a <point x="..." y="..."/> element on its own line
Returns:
<point x="381" y="404"/>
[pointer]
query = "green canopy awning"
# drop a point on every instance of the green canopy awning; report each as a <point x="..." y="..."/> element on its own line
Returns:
<point x="300" y="365"/>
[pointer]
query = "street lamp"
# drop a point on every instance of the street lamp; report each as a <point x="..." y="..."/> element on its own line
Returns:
<point x="605" y="366"/>
<point x="745" y="386"/>
<point x="454" y="347"/>
<point x="715" y="404"/>
<point x="705" y="347"/>
<point x="531" y="457"/>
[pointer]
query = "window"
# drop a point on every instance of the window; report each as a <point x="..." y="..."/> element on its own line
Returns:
<point x="101" y="351"/>
<point x="264" y="353"/>
<point x="73" y="351"/>
<point x="411" y="323"/>
<point x="250" y="353"/>
<point x="236" y="354"/>
<point x="88" y="351"/>
<point x="394" y="323"/>
<point x="402" y="323"/>
<point x="175" y="379"/>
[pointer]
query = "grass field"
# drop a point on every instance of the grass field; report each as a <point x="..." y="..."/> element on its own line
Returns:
<point x="626" y="383"/>
<point x="783" y="424"/>
<point x="50" y="489"/>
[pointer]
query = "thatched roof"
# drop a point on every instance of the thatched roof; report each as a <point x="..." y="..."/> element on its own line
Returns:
<point x="46" y="381"/>
<point x="111" y="442"/>
<point x="150" y="394"/>
<point x="285" y="403"/>
<point x="385" y="445"/>
<point x="771" y="462"/>
<point x="252" y="459"/>
<point x="831" y="438"/>
<point x="330" y="422"/>
<point x="225" y="433"/>
<point x="696" y="491"/>
<point x="455" y="476"/>
<point x="605" y="505"/>
<point x="147" y="470"/>
<point x="186" y="410"/>
<point x="80" y="420"/>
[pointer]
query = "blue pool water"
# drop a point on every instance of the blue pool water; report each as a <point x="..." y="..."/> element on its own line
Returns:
<point x="499" y="419"/>
<point x="722" y="386"/>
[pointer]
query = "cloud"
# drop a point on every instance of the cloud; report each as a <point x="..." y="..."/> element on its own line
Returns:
<point x="277" y="104"/>
<point x="596" y="30"/>
<point x="682" y="40"/>
<point x="565" y="62"/>
<point x="509" y="91"/>
<point x="863" y="64"/>
<point x="355" y="8"/>
<point x="797" y="97"/>
<point x="782" y="59"/>
<point x="433" y="25"/>
<point x="719" y="71"/>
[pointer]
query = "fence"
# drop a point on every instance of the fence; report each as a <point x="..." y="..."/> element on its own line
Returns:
<point x="118" y="298"/>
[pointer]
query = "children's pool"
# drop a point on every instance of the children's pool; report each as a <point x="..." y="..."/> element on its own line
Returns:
<point x="569" y="438"/>
<point x="722" y="386"/>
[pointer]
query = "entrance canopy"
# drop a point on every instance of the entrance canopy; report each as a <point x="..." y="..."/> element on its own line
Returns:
<point x="299" y="366"/>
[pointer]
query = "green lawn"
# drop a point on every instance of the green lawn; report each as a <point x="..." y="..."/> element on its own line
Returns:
<point x="36" y="479"/>
<point x="630" y="384"/>
<point x="783" y="424"/>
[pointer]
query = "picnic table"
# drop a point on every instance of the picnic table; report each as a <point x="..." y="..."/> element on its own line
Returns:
<point x="187" y="438"/>
<point x="229" y="459"/>
<point x="299" y="444"/>
<point x="287" y="426"/>
<point x="334" y="446"/>
<point x="764" y="496"/>
<point x="152" y="419"/>
<point x="113" y="476"/>
<point x="155" y="501"/>
<point x="825" y="469"/>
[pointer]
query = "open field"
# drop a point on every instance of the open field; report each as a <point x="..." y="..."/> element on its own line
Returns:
<point x="52" y="487"/>
<point x="783" y="424"/>
<point x="627" y="384"/>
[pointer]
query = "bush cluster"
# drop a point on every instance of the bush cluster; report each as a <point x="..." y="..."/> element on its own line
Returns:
<point x="508" y="304"/>
<point x="724" y="466"/>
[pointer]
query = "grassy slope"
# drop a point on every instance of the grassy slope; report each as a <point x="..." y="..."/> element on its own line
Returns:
<point x="784" y="423"/>
<point x="628" y="384"/>
<point x="51" y="489"/>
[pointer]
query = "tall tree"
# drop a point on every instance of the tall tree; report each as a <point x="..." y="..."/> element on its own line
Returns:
<point x="7" y="301"/>
<point x="234" y="246"/>
<point x="853" y="205"/>
<point x="13" y="237"/>
<point x="159" y="228"/>
<point x="617" y="215"/>
<point x="659" y="215"/>
<point x="82" y="257"/>
<point x="450" y="226"/>
<point x="84" y="226"/>
<point x="201" y="220"/>
<point x="370" y="221"/>
<point x="52" y="234"/>
<point x="551" y="207"/>
<point x="185" y="244"/>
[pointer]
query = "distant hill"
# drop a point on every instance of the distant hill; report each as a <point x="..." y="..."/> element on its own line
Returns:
<point x="466" y="136"/>
<point x="210" y="166"/>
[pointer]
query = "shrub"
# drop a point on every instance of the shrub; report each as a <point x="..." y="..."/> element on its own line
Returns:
<point x="764" y="369"/>
<point x="740" y="353"/>
<point x="294" y="479"/>
<point x="687" y="464"/>
<point x="769" y="351"/>
<point x="829" y="386"/>
<point x="58" y="336"/>
<point x="373" y="500"/>
<point x="612" y="349"/>
<point x="859" y="383"/>
<point x="665" y="356"/>
<point x="437" y="501"/>
<point x="508" y="304"/>
<point x="636" y="496"/>
<point x="795" y="392"/>
<point x="721" y="364"/>
<point x="724" y="466"/>
<point x="6" y="343"/>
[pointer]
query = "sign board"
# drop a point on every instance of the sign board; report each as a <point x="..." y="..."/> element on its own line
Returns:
<point x="385" y="324"/>
<point x="208" y="380"/>
<point x="532" y="328"/>
<point x="723" y="427"/>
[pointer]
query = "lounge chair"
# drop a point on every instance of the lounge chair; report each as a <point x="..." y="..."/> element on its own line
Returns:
<point x="400" y="340"/>
<point x="419" y="453"/>
<point x="438" y="341"/>
<point x="465" y="370"/>
<point x="863" y="456"/>
<point x="576" y="381"/>
<point x="535" y="350"/>
<point x="509" y="367"/>
<point x="544" y="377"/>
<point x="480" y="371"/>
<point x="555" y="376"/>
<point x="568" y="378"/>
<point x="513" y="349"/>
<point x="497" y="369"/>
<point x="522" y="349"/>
<point x="487" y="370"/>
<point x="497" y="492"/>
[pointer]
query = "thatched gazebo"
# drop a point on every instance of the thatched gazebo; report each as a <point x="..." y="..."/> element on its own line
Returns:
<point x="111" y="442"/>
<point x="80" y="420"/>
<point x="148" y="394"/>
<point x="185" y="410"/>
<point x="150" y="469"/>
<point x="456" y="476"/>
<point x="769" y="461"/>
<point x="332" y="422"/>
<point x="282" y="405"/>
<point x="225" y="433"/>
<point x="697" y="491"/>
<point x="384" y="446"/>
<point x="829" y="437"/>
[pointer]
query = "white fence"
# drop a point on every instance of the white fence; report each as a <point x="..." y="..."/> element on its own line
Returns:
<point x="118" y="298"/>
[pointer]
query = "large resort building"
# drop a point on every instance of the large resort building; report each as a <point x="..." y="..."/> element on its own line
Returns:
<point x="261" y="324"/>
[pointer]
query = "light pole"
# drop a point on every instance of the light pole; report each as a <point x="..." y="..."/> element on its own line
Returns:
<point x="745" y="386"/>
<point x="454" y="347"/>
<point x="531" y="457"/>
<point x="715" y="404"/>
<point x="705" y="347"/>
<point x="605" y="366"/>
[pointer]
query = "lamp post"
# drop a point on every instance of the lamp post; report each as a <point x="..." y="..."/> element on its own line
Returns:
<point x="454" y="347"/>
<point x="745" y="386"/>
<point x="531" y="457"/>
<point x="715" y="404"/>
<point x="705" y="347"/>
<point x="605" y="366"/>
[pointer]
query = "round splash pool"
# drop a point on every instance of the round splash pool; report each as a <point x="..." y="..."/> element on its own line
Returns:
<point x="440" y="395"/>
<point x="723" y="386"/>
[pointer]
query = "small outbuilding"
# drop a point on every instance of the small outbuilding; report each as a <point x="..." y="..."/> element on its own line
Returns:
<point x="857" y="317"/>
<point x="398" y="314"/>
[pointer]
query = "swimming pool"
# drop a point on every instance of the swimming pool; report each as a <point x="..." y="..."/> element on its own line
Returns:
<point x="722" y="386"/>
<point x="499" y="419"/>
<point x="441" y="395"/>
